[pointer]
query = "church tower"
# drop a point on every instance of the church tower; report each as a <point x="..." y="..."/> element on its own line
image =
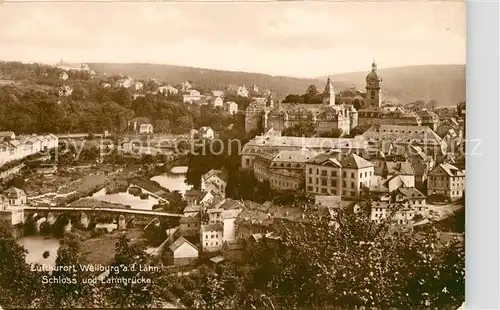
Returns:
<point x="373" y="82"/>
<point x="329" y="93"/>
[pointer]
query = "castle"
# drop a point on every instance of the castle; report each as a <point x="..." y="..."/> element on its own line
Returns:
<point x="262" y="114"/>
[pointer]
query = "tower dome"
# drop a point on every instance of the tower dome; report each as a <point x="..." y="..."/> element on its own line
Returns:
<point x="373" y="76"/>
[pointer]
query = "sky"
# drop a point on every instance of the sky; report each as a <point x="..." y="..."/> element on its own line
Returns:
<point x="302" y="39"/>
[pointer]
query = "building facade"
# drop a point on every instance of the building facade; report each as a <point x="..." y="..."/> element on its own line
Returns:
<point x="448" y="181"/>
<point x="334" y="174"/>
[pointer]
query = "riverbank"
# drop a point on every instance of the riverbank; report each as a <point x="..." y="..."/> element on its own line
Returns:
<point x="81" y="182"/>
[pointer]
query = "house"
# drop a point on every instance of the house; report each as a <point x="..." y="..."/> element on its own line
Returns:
<point x="145" y="129"/>
<point x="126" y="83"/>
<point x="231" y="107"/>
<point x="16" y="197"/>
<point x="347" y="176"/>
<point x="217" y="93"/>
<point x="183" y="251"/>
<point x="211" y="237"/>
<point x="190" y="224"/>
<point x="168" y="90"/>
<point x="217" y="102"/>
<point x="446" y="180"/>
<point x="414" y="198"/>
<point x="401" y="214"/>
<point x="63" y="76"/>
<point x="10" y="215"/>
<point x="193" y="196"/>
<point x="191" y="96"/>
<point x="140" y="125"/>
<point x="206" y="132"/>
<point x="216" y="181"/>
<point x="286" y="169"/>
<point x="138" y="86"/>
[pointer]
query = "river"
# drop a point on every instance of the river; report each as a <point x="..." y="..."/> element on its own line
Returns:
<point x="36" y="246"/>
<point x="173" y="180"/>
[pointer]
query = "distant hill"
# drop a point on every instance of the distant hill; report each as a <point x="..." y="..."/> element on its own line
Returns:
<point x="443" y="83"/>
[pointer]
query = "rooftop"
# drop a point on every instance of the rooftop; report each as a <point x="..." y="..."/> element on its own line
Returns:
<point x="411" y="192"/>
<point x="452" y="170"/>
<point x="219" y="173"/>
<point x="354" y="161"/>
<point x="180" y="241"/>
<point x="399" y="168"/>
<point x="211" y="227"/>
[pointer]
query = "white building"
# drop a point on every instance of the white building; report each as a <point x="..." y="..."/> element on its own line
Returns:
<point x="168" y="90"/>
<point x="145" y="129"/>
<point x="191" y="96"/>
<point x="139" y="86"/>
<point x="217" y="102"/>
<point x="63" y="76"/>
<point x="16" y="197"/>
<point x="211" y="237"/>
<point x="231" y="107"/>
<point x="184" y="252"/>
<point x="216" y="181"/>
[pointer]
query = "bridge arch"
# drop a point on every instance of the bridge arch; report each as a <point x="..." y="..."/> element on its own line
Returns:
<point x="156" y="222"/>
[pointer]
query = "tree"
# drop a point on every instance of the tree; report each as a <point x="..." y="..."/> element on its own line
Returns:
<point x="127" y="260"/>
<point x="71" y="291"/>
<point x="300" y="130"/>
<point x="311" y="90"/>
<point x="334" y="133"/>
<point x="16" y="277"/>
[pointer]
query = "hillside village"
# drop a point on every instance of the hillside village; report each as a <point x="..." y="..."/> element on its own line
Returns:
<point x="324" y="153"/>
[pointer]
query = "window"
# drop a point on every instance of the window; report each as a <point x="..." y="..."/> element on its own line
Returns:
<point x="324" y="173"/>
<point x="344" y="174"/>
<point x="212" y="236"/>
<point x="352" y="184"/>
<point x="310" y="170"/>
<point x="361" y="174"/>
<point x="344" y="184"/>
<point x="352" y="175"/>
<point x="334" y="173"/>
<point x="373" y="95"/>
<point x="323" y="190"/>
<point x="310" y="180"/>
<point x="334" y="183"/>
<point x="310" y="188"/>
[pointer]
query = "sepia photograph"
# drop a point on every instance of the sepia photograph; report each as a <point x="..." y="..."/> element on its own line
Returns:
<point x="233" y="155"/>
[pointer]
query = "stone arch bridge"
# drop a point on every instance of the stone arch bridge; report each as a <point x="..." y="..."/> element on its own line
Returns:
<point x="86" y="215"/>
